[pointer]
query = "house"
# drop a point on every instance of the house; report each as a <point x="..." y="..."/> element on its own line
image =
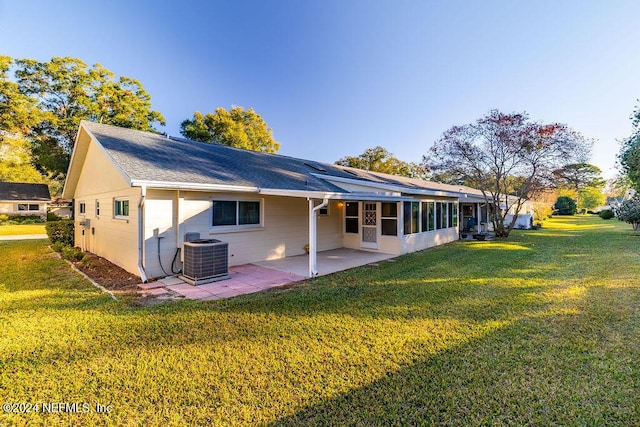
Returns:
<point x="19" y="198"/>
<point x="137" y="195"/>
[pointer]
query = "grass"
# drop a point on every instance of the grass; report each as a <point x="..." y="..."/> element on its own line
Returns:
<point x="542" y="329"/>
<point x="21" y="229"/>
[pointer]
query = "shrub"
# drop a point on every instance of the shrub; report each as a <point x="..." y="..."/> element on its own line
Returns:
<point x="4" y="219"/>
<point x="72" y="254"/>
<point x="52" y="217"/>
<point x="60" y="231"/>
<point x="606" y="214"/>
<point x="57" y="246"/>
<point x="565" y="205"/>
<point x="629" y="212"/>
<point x="26" y="219"/>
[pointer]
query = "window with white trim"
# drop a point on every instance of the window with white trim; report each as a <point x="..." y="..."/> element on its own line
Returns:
<point x="23" y="207"/>
<point x="82" y="208"/>
<point x="232" y="213"/>
<point x="97" y="208"/>
<point x="121" y="208"/>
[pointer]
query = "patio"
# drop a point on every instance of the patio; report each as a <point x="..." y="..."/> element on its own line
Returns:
<point x="250" y="278"/>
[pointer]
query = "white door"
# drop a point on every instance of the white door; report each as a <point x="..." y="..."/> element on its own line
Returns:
<point x="369" y="225"/>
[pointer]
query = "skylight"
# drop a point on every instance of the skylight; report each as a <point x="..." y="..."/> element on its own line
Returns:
<point x="316" y="167"/>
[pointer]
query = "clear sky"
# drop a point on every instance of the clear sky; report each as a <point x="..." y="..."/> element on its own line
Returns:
<point x="334" y="77"/>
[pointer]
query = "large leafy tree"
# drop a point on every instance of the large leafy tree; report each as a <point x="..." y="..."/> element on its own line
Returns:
<point x="379" y="159"/>
<point x="578" y="177"/>
<point x="65" y="91"/>
<point x="591" y="198"/>
<point x="629" y="156"/>
<point x="236" y="127"/>
<point x="17" y="114"/>
<point x="506" y="156"/>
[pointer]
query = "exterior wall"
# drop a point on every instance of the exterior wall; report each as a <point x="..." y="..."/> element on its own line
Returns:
<point x="420" y="241"/>
<point x="284" y="231"/>
<point x="104" y="235"/>
<point x="401" y="243"/>
<point x="11" y="207"/>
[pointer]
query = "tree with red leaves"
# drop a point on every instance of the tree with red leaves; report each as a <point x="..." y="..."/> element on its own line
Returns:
<point x="506" y="156"/>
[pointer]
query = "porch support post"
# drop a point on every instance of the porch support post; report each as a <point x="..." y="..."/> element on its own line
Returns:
<point x="479" y="216"/>
<point x="313" y="267"/>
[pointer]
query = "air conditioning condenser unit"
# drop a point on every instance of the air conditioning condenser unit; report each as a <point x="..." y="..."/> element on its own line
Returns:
<point x="205" y="261"/>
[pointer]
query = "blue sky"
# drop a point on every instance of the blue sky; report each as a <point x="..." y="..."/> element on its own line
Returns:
<point x="333" y="78"/>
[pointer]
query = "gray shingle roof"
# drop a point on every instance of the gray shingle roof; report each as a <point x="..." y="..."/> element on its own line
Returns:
<point x="147" y="156"/>
<point x="24" y="191"/>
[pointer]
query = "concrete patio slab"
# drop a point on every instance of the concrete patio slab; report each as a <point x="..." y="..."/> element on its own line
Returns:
<point x="327" y="261"/>
<point x="257" y="277"/>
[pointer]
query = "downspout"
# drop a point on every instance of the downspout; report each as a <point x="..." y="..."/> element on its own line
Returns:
<point x="143" y="195"/>
<point x="313" y="267"/>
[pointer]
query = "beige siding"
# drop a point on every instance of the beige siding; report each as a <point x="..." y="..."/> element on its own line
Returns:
<point x="284" y="232"/>
<point x="106" y="236"/>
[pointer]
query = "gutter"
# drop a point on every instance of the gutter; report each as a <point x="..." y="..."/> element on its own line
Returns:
<point x="143" y="274"/>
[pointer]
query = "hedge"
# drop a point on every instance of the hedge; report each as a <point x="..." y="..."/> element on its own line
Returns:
<point x="61" y="231"/>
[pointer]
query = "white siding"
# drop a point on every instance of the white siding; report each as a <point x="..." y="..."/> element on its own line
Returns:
<point x="284" y="231"/>
<point x="114" y="239"/>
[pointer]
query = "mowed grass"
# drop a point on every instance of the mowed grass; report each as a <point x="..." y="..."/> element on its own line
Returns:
<point x="22" y="229"/>
<point x="540" y="329"/>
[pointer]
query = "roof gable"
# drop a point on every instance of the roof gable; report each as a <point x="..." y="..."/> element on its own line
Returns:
<point x="24" y="191"/>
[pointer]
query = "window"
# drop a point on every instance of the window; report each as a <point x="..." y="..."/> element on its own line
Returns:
<point x="235" y="212"/>
<point x="351" y="217"/>
<point x="28" y="207"/>
<point x="389" y="219"/>
<point x="97" y="208"/>
<point x="82" y="208"/>
<point x="248" y="213"/>
<point x="427" y="216"/>
<point x="454" y="215"/>
<point x="450" y="215"/>
<point x="441" y="215"/>
<point x="121" y="208"/>
<point x="411" y="213"/>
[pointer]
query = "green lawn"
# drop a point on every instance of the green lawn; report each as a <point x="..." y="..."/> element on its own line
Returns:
<point x="539" y="329"/>
<point x="21" y="229"/>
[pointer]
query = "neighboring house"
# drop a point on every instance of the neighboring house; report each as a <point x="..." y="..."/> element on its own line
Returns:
<point x="61" y="208"/>
<point x="136" y="194"/>
<point x="18" y="198"/>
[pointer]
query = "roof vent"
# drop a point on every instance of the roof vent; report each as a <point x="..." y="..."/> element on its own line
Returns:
<point x="316" y="167"/>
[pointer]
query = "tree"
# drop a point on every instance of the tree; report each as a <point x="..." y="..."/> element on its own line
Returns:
<point x="506" y="156"/>
<point x="17" y="113"/>
<point x="629" y="212"/>
<point x="379" y="159"/>
<point x="578" y="176"/>
<point x="565" y="205"/>
<point x="66" y="91"/>
<point x="237" y="127"/>
<point x="629" y="155"/>
<point x="618" y="186"/>
<point x="590" y="198"/>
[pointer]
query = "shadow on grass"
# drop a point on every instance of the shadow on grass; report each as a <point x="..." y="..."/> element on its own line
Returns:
<point x="571" y="362"/>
